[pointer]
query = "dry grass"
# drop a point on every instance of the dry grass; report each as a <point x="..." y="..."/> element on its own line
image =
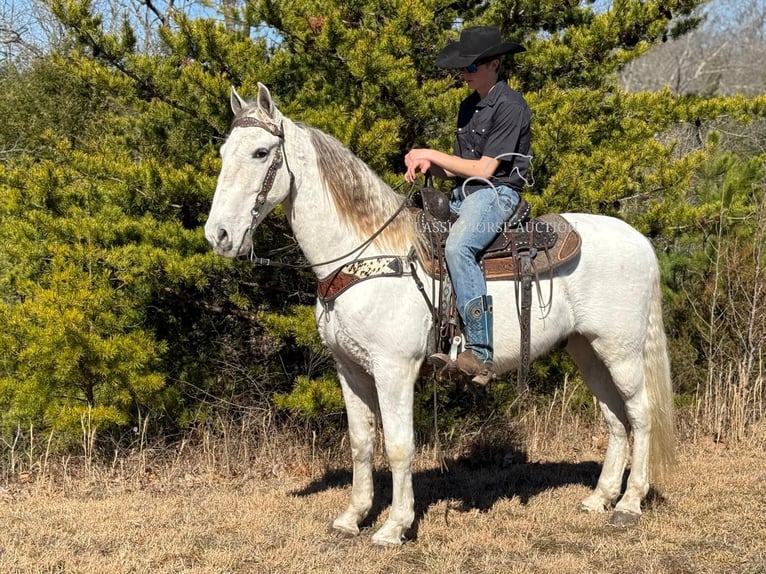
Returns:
<point x="223" y="507"/>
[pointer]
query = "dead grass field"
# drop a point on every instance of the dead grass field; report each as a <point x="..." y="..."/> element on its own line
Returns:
<point x="496" y="510"/>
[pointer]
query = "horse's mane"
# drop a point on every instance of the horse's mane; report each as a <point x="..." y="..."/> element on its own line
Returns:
<point x="363" y="201"/>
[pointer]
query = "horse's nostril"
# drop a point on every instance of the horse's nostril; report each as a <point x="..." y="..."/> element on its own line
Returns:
<point x="219" y="238"/>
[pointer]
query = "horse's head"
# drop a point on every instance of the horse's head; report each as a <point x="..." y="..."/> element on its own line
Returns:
<point x="254" y="175"/>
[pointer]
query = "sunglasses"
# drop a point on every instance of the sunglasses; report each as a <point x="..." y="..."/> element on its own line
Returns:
<point x="473" y="68"/>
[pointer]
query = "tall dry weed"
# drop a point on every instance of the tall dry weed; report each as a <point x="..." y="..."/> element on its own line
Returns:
<point x="733" y="399"/>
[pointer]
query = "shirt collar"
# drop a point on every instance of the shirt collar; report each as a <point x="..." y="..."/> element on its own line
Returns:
<point x="492" y="96"/>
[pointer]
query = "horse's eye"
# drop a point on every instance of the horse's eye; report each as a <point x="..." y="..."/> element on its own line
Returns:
<point x="260" y="153"/>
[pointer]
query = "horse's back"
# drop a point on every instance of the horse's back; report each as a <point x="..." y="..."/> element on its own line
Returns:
<point x="603" y="294"/>
<point x="611" y="288"/>
<point x="615" y="258"/>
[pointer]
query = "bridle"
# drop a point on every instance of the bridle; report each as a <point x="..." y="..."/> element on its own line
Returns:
<point x="271" y="172"/>
<point x="268" y="183"/>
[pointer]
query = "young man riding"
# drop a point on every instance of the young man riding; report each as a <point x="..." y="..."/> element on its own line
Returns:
<point x="491" y="147"/>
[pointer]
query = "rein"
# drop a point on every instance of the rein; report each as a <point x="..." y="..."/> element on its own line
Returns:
<point x="255" y="260"/>
<point x="268" y="183"/>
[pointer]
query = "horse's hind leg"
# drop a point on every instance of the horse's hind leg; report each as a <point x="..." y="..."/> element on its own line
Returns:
<point x="359" y="395"/>
<point x="631" y="403"/>
<point x="629" y="379"/>
<point x="599" y="380"/>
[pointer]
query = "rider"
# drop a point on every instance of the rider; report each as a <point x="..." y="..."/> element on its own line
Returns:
<point x="491" y="146"/>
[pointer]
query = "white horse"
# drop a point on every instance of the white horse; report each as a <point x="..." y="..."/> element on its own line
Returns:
<point x="606" y="305"/>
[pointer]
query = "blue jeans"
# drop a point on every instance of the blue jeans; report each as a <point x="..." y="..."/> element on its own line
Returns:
<point x="480" y="218"/>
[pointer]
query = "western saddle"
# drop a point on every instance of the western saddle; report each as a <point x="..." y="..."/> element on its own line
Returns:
<point x="526" y="249"/>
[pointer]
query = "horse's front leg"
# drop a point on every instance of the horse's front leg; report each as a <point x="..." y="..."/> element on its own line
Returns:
<point x="359" y="395"/>
<point x="395" y="382"/>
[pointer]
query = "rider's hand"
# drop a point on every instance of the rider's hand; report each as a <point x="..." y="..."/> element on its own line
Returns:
<point x="417" y="162"/>
<point x="415" y="167"/>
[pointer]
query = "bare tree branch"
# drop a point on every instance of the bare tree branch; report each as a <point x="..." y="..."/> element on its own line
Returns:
<point x="723" y="57"/>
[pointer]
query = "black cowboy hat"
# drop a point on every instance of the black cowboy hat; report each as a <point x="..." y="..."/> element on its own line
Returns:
<point x="476" y="43"/>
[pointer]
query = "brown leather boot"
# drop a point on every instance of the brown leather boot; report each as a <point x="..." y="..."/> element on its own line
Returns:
<point x="466" y="364"/>
<point x="476" y="360"/>
<point x="469" y="364"/>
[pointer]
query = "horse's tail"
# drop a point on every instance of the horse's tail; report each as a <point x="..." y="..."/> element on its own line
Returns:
<point x="659" y="390"/>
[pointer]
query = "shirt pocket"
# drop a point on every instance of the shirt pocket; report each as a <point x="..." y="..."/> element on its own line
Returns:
<point x="471" y="140"/>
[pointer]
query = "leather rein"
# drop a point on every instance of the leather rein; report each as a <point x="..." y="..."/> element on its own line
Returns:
<point x="268" y="183"/>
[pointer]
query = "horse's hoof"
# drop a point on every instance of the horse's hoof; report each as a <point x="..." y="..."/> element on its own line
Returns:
<point x="342" y="533"/>
<point x="344" y="530"/>
<point x="387" y="542"/>
<point x="622" y="519"/>
<point x="389" y="535"/>
<point x="593" y="505"/>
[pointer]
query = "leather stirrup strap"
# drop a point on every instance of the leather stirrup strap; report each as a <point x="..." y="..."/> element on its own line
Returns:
<point x="524" y="320"/>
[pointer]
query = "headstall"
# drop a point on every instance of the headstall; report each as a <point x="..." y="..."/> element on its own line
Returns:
<point x="271" y="172"/>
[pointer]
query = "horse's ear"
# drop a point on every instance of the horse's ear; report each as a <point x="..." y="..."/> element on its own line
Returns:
<point x="237" y="103"/>
<point x="264" y="100"/>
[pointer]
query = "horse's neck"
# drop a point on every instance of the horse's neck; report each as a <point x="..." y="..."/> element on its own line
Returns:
<point x="312" y="214"/>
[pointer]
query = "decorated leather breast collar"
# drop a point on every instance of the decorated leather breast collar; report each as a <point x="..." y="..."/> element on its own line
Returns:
<point x="348" y="275"/>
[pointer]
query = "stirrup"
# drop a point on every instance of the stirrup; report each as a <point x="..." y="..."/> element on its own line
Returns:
<point x="438" y="360"/>
<point x="442" y="360"/>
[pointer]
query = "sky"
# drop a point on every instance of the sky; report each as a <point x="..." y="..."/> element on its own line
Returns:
<point x="37" y="26"/>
